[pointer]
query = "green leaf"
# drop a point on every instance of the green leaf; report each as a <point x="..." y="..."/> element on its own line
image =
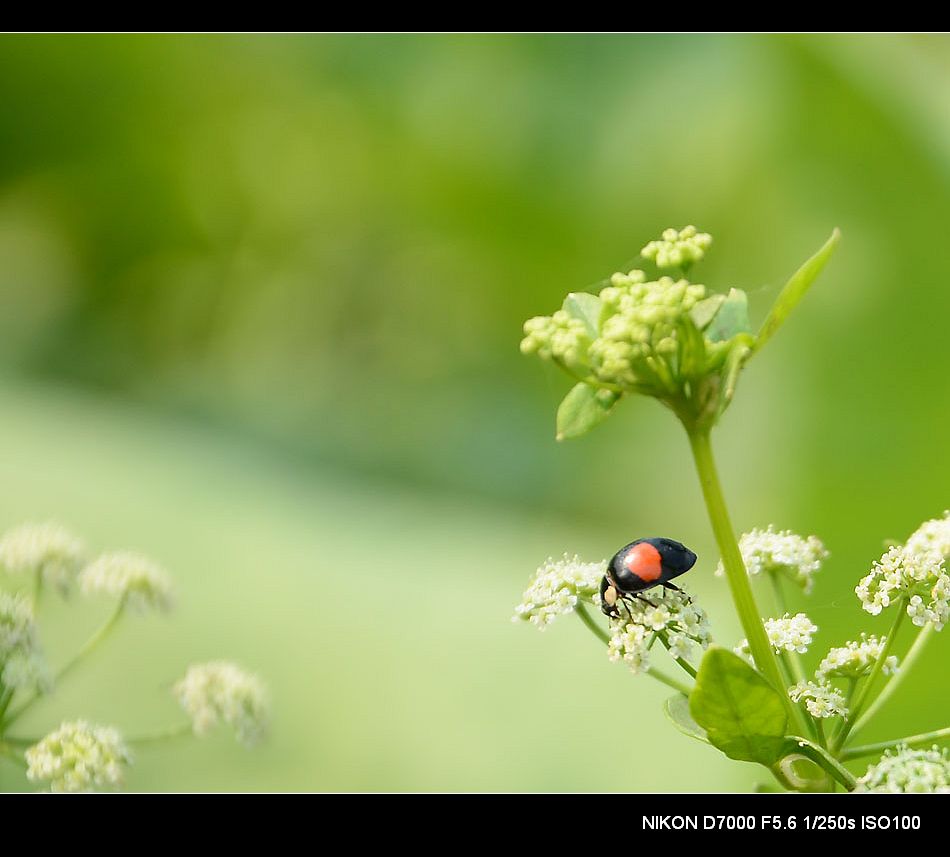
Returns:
<point x="677" y="709"/>
<point x="705" y="310"/>
<point x="743" y="715"/>
<point x="586" y="308"/>
<point x="795" y="289"/>
<point x="732" y="318"/>
<point x="583" y="408"/>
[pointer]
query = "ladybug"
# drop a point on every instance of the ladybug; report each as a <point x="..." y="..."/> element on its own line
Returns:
<point x="640" y="566"/>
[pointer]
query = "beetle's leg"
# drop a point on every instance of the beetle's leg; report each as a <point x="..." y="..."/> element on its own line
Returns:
<point x="675" y="588"/>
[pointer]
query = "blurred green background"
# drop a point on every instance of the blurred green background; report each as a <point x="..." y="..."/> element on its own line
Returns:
<point x="260" y="304"/>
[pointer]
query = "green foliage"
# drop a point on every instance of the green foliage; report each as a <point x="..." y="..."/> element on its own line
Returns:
<point x="583" y="408"/>
<point x="743" y="715"/>
<point x="795" y="290"/>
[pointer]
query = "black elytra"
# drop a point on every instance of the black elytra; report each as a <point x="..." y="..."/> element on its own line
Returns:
<point x="642" y="565"/>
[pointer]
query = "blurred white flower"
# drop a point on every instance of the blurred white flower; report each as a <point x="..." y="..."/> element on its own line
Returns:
<point x="79" y="757"/>
<point x="856" y="659"/>
<point x="47" y="549"/>
<point x="781" y="552"/>
<point x="220" y="691"/>
<point x="137" y="581"/>
<point x="906" y="770"/>
<point x="915" y="575"/>
<point x="791" y="633"/>
<point x="821" y="699"/>
<point x="556" y="587"/>
<point x="21" y="661"/>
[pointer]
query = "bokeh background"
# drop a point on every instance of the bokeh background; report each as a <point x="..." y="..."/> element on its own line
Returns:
<point x="260" y="304"/>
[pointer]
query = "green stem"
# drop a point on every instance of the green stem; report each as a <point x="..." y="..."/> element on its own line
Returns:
<point x="669" y="681"/>
<point x="923" y="739"/>
<point x="686" y="665"/>
<point x="895" y="680"/>
<point x="601" y="634"/>
<point x="592" y="626"/>
<point x="104" y="631"/>
<point x="793" y="659"/>
<point x="735" y="568"/>
<point x="865" y="693"/>
<point x="825" y="760"/>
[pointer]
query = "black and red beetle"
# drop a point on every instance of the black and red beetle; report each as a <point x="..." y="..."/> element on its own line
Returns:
<point x="640" y="566"/>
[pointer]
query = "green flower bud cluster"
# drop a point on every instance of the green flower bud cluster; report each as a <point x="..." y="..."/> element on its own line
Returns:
<point x="668" y="338"/>
<point x="678" y="249"/>
<point x="558" y="337"/>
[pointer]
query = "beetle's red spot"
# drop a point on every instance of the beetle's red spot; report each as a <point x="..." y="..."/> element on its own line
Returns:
<point x="644" y="561"/>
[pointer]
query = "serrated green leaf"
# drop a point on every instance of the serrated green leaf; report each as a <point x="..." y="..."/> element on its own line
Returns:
<point x="732" y="318"/>
<point x="677" y="709"/>
<point x="795" y="289"/>
<point x="743" y="715"/>
<point x="705" y="310"/>
<point x="586" y="308"/>
<point x="583" y="408"/>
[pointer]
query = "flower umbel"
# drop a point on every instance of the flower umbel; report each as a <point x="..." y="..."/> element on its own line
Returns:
<point x="79" y="757"/>
<point x="220" y="691"/>
<point x="855" y="659"/>
<point x="47" y="550"/>
<point x="136" y="580"/>
<point x="678" y="249"/>
<point x="21" y="661"/>
<point x="790" y="633"/>
<point x="556" y="587"/>
<point x="916" y="576"/>
<point x="781" y="552"/>
<point x="905" y="770"/>
<point x="675" y="616"/>
<point x="821" y="699"/>
<point x="932" y="535"/>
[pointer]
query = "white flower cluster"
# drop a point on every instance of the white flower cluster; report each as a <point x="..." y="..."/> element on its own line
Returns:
<point x="821" y="699"/>
<point x="932" y="535"/>
<point x="79" y="757"/>
<point x="219" y="691"/>
<point x="683" y="623"/>
<point x="47" y="550"/>
<point x="856" y="659"/>
<point x="915" y="576"/>
<point x="556" y="587"/>
<point x="906" y="770"/>
<point x="21" y="661"/>
<point x="134" y="579"/>
<point x="781" y="552"/>
<point x="678" y="249"/>
<point x="791" y="633"/>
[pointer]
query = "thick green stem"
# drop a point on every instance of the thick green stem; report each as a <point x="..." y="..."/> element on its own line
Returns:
<point x="922" y="740"/>
<point x="93" y="642"/>
<point x="863" y="697"/>
<point x="735" y="568"/>
<point x="895" y="680"/>
<point x="602" y="635"/>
